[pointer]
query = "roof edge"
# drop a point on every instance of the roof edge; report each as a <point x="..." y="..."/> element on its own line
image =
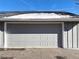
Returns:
<point x="22" y="12"/>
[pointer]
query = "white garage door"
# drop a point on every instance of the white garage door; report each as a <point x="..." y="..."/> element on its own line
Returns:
<point x="34" y="35"/>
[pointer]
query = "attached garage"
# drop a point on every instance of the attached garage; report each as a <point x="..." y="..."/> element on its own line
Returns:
<point x="39" y="30"/>
<point x="34" y="35"/>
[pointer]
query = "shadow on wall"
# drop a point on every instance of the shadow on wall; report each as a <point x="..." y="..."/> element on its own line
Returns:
<point x="1" y="26"/>
<point x="67" y="27"/>
<point x="1" y="34"/>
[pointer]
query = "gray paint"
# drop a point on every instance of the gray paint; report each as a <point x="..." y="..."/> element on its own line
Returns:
<point x="34" y="35"/>
<point x="71" y="35"/>
<point x="1" y="34"/>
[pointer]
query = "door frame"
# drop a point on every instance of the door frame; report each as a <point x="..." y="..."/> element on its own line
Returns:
<point x="5" y="30"/>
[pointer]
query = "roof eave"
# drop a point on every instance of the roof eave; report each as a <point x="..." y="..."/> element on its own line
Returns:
<point x="40" y="19"/>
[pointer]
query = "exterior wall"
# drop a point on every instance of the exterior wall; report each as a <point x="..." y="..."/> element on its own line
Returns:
<point x="1" y="34"/>
<point x="71" y="35"/>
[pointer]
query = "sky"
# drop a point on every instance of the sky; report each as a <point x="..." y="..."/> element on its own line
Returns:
<point x="39" y="5"/>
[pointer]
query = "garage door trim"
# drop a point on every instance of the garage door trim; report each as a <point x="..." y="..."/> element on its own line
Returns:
<point x="5" y="29"/>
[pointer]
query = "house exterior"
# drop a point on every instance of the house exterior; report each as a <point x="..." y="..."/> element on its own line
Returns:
<point x="39" y="30"/>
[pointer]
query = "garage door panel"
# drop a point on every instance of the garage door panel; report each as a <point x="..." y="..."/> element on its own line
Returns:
<point x="43" y="40"/>
<point x="52" y="40"/>
<point x="33" y="35"/>
<point x="24" y="40"/>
